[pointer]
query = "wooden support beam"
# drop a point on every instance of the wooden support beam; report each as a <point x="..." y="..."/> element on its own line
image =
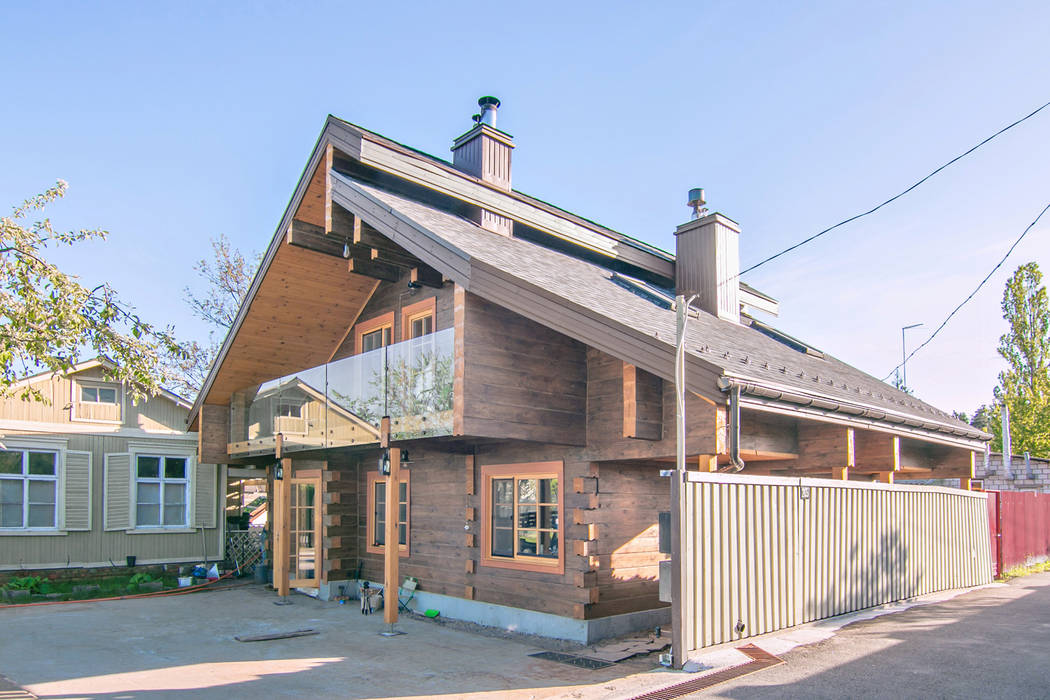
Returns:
<point x="642" y="404"/>
<point x="391" y="553"/>
<point x="329" y="161"/>
<point x="284" y="527"/>
<point x="878" y="452"/>
<point x="427" y="276"/>
<point x="707" y="463"/>
<point x="310" y="237"/>
<point x="885" y="477"/>
<point x="823" y="447"/>
<point x="375" y="270"/>
<point x="392" y="258"/>
<point x="469" y="461"/>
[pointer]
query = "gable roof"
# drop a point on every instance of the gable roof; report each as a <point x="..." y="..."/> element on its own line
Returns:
<point x="92" y="364"/>
<point x="577" y="298"/>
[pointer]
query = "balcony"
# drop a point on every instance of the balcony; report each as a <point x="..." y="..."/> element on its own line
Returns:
<point x="340" y="404"/>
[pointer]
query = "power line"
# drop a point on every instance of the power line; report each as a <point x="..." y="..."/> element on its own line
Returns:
<point x="974" y="292"/>
<point x="896" y="196"/>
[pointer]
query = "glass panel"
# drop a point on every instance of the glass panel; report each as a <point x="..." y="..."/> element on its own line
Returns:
<point x="42" y="463"/>
<point x="402" y="491"/>
<point x="419" y="385"/>
<point x="549" y="517"/>
<point x="379" y="521"/>
<point x="148" y="493"/>
<point x="402" y="512"/>
<point x="548" y="544"/>
<point x="402" y="537"/>
<point x="10" y="462"/>
<point x="503" y="491"/>
<point x="306" y="495"/>
<point x="375" y="339"/>
<point x="503" y="542"/>
<point x="146" y="514"/>
<point x="174" y="494"/>
<point x="503" y="516"/>
<point x="89" y="394"/>
<point x="175" y="514"/>
<point x="527" y="490"/>
<point x="10" y="491"/>
<point x="41" y="515"/>
<point x="174" y="468"/>
<point x="527" y="540"/>
<point x="548" y="490"/>
<point x="526" y="516"/>
<point x="42" y="492"/>
<point x="149" y="467"/>
<point x="421" y="326"/>
<point x="107" y="395"/>
<point x="10" y="515"/>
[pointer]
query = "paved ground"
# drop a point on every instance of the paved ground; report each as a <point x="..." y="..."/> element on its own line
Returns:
<point x="993" y="642"/>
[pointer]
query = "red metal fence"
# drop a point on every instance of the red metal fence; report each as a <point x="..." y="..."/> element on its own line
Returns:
<point x="1020" y="528"/>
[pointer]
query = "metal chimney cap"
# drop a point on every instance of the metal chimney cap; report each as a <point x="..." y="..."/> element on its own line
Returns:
<point x="696" y="196"/>
<point x="488" y="100"/>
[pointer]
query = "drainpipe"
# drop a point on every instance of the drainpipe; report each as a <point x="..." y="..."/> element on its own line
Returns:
<point x="735" y="463"/>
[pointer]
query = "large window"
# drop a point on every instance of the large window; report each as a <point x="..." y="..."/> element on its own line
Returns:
<point x="377" y="513"/>
<point x="521" y="523"/>
<point x="28" y="489"/>
<point x="161" y="487"/>
<point x="417" y="320"/>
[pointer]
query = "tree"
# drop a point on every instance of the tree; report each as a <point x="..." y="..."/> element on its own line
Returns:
<point x="1025" y="386"/>
<point x="228" y="275"/>
<point x="51" y="321"/>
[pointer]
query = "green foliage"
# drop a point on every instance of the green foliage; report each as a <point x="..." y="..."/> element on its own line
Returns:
<point x="1025" y="386"/>
<point x="141" y="577"/>
<point x="418" y="388"/>
<point x="51" y="321"/>
<point x="33" y="584"/>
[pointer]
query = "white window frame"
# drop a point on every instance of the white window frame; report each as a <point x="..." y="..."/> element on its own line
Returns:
<point x="161" y="451"/>
<point x="58" y="447"/>
<point x="77" y="387"/>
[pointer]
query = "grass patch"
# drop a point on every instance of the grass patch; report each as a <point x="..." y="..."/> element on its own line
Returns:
<point x="1027" y="570"/>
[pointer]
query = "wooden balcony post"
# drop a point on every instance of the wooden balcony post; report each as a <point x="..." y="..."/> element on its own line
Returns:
<point x="391" y="554"/>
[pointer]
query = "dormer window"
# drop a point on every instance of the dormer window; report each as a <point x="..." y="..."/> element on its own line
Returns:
<point x="98" y="394"/>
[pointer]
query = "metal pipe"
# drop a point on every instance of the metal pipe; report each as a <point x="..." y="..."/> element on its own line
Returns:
<point x="735" y="462"/>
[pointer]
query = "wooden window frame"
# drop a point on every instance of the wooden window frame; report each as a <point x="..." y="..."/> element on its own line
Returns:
<point x="527" y="470"/>
<point x="420" y="309"/>
<point x="370" y="546"/>
<point x="370" y="326"/>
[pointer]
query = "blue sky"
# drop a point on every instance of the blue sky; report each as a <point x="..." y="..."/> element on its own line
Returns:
<point x="176" y="123"/>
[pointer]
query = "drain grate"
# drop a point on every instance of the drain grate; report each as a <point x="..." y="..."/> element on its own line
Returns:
<point x="572" y="660"/>
<point x="760" y="659"/>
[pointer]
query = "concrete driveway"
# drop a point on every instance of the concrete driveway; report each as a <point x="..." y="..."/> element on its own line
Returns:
<point x="989" y="643"/>
<point x="183" y="647"/>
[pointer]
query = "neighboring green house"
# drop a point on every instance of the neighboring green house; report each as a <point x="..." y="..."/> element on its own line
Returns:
<point x="89" y="478"/>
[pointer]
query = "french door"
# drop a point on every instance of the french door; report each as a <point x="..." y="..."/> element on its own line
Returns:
<point x="304" y="543"/>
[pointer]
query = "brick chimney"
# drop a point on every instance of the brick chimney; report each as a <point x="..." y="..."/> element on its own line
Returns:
<point x="707" y="260"/>
<point x="485" y="152"/>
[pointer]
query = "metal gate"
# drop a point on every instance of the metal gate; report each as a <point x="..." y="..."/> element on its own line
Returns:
<point x="765" y="553"/>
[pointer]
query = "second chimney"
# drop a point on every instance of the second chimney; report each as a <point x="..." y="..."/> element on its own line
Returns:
<point x="707" y="261"/>
<point x="485" y="152"/>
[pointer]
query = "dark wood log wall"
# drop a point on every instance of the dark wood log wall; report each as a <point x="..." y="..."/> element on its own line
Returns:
<point x="518" y="379"/>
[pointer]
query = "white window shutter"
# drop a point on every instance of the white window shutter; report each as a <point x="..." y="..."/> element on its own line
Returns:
<point x="77" y="491"/>
<point x="204" y="496"/>
<point x="118" y="491"/>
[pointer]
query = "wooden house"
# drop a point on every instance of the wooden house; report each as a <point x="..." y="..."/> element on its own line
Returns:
<point x="525" y="359"/>
<point x="88" y="478"/>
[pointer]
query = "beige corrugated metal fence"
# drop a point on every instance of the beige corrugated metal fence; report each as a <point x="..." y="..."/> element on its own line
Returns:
<point x="768" y="553"/>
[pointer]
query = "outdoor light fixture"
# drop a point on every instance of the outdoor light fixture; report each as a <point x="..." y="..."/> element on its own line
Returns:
<point x="384" y="463"/>
<point x="278" y="472"/>
<point x="404" y="458"/>
<point x="346" y="249"/>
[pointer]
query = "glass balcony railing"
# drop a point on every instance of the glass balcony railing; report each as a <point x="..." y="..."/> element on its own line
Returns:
<point x="340" y="404"/>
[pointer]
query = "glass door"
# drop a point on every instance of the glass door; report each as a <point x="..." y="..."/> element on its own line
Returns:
<point x="304" y="552"/>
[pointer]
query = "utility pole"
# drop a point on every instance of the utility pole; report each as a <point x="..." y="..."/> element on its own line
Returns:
<point x="679" y="545"/>
<point x="904" y="355"/>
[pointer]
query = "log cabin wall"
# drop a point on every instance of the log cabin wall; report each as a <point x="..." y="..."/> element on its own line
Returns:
<point x="394" y="297"/>
<point x="705" y="421"/>
<point x="516" y="379"/>
<point x="342" y="502"/>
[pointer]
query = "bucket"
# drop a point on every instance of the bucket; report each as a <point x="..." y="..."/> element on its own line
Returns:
<point x="262" y="573"/>
<point x="131" y="561"/>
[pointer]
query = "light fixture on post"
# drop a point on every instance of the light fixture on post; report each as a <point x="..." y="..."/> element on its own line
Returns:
<point x="384" y="463"/>
<point x="404" y="458"/>
<point x="278" y="471"/>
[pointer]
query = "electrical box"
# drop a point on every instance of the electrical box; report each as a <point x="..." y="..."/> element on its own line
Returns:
<point x="664" y="519"/>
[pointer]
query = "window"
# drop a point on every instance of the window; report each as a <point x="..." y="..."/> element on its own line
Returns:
<point x="374" y="333"/>
<point x="161" y="487"/>
<point x="289" y="408"/>
<point x="377" y="513"/>
<point x="521" y="523"/>
<point x="98" y="394"/>
<point x="28" y="489"/>
<point x="417" y="319"/>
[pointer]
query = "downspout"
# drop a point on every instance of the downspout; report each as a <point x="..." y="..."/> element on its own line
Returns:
<point x="735" y="462"/>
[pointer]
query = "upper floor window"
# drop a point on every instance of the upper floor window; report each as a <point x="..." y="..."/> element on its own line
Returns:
<point x="28" y="489"/>
<point x="161" y="488"/>
<point x="417" y="319"/>
<point x="374" y="333"/>
<point x="98" y="394"/>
